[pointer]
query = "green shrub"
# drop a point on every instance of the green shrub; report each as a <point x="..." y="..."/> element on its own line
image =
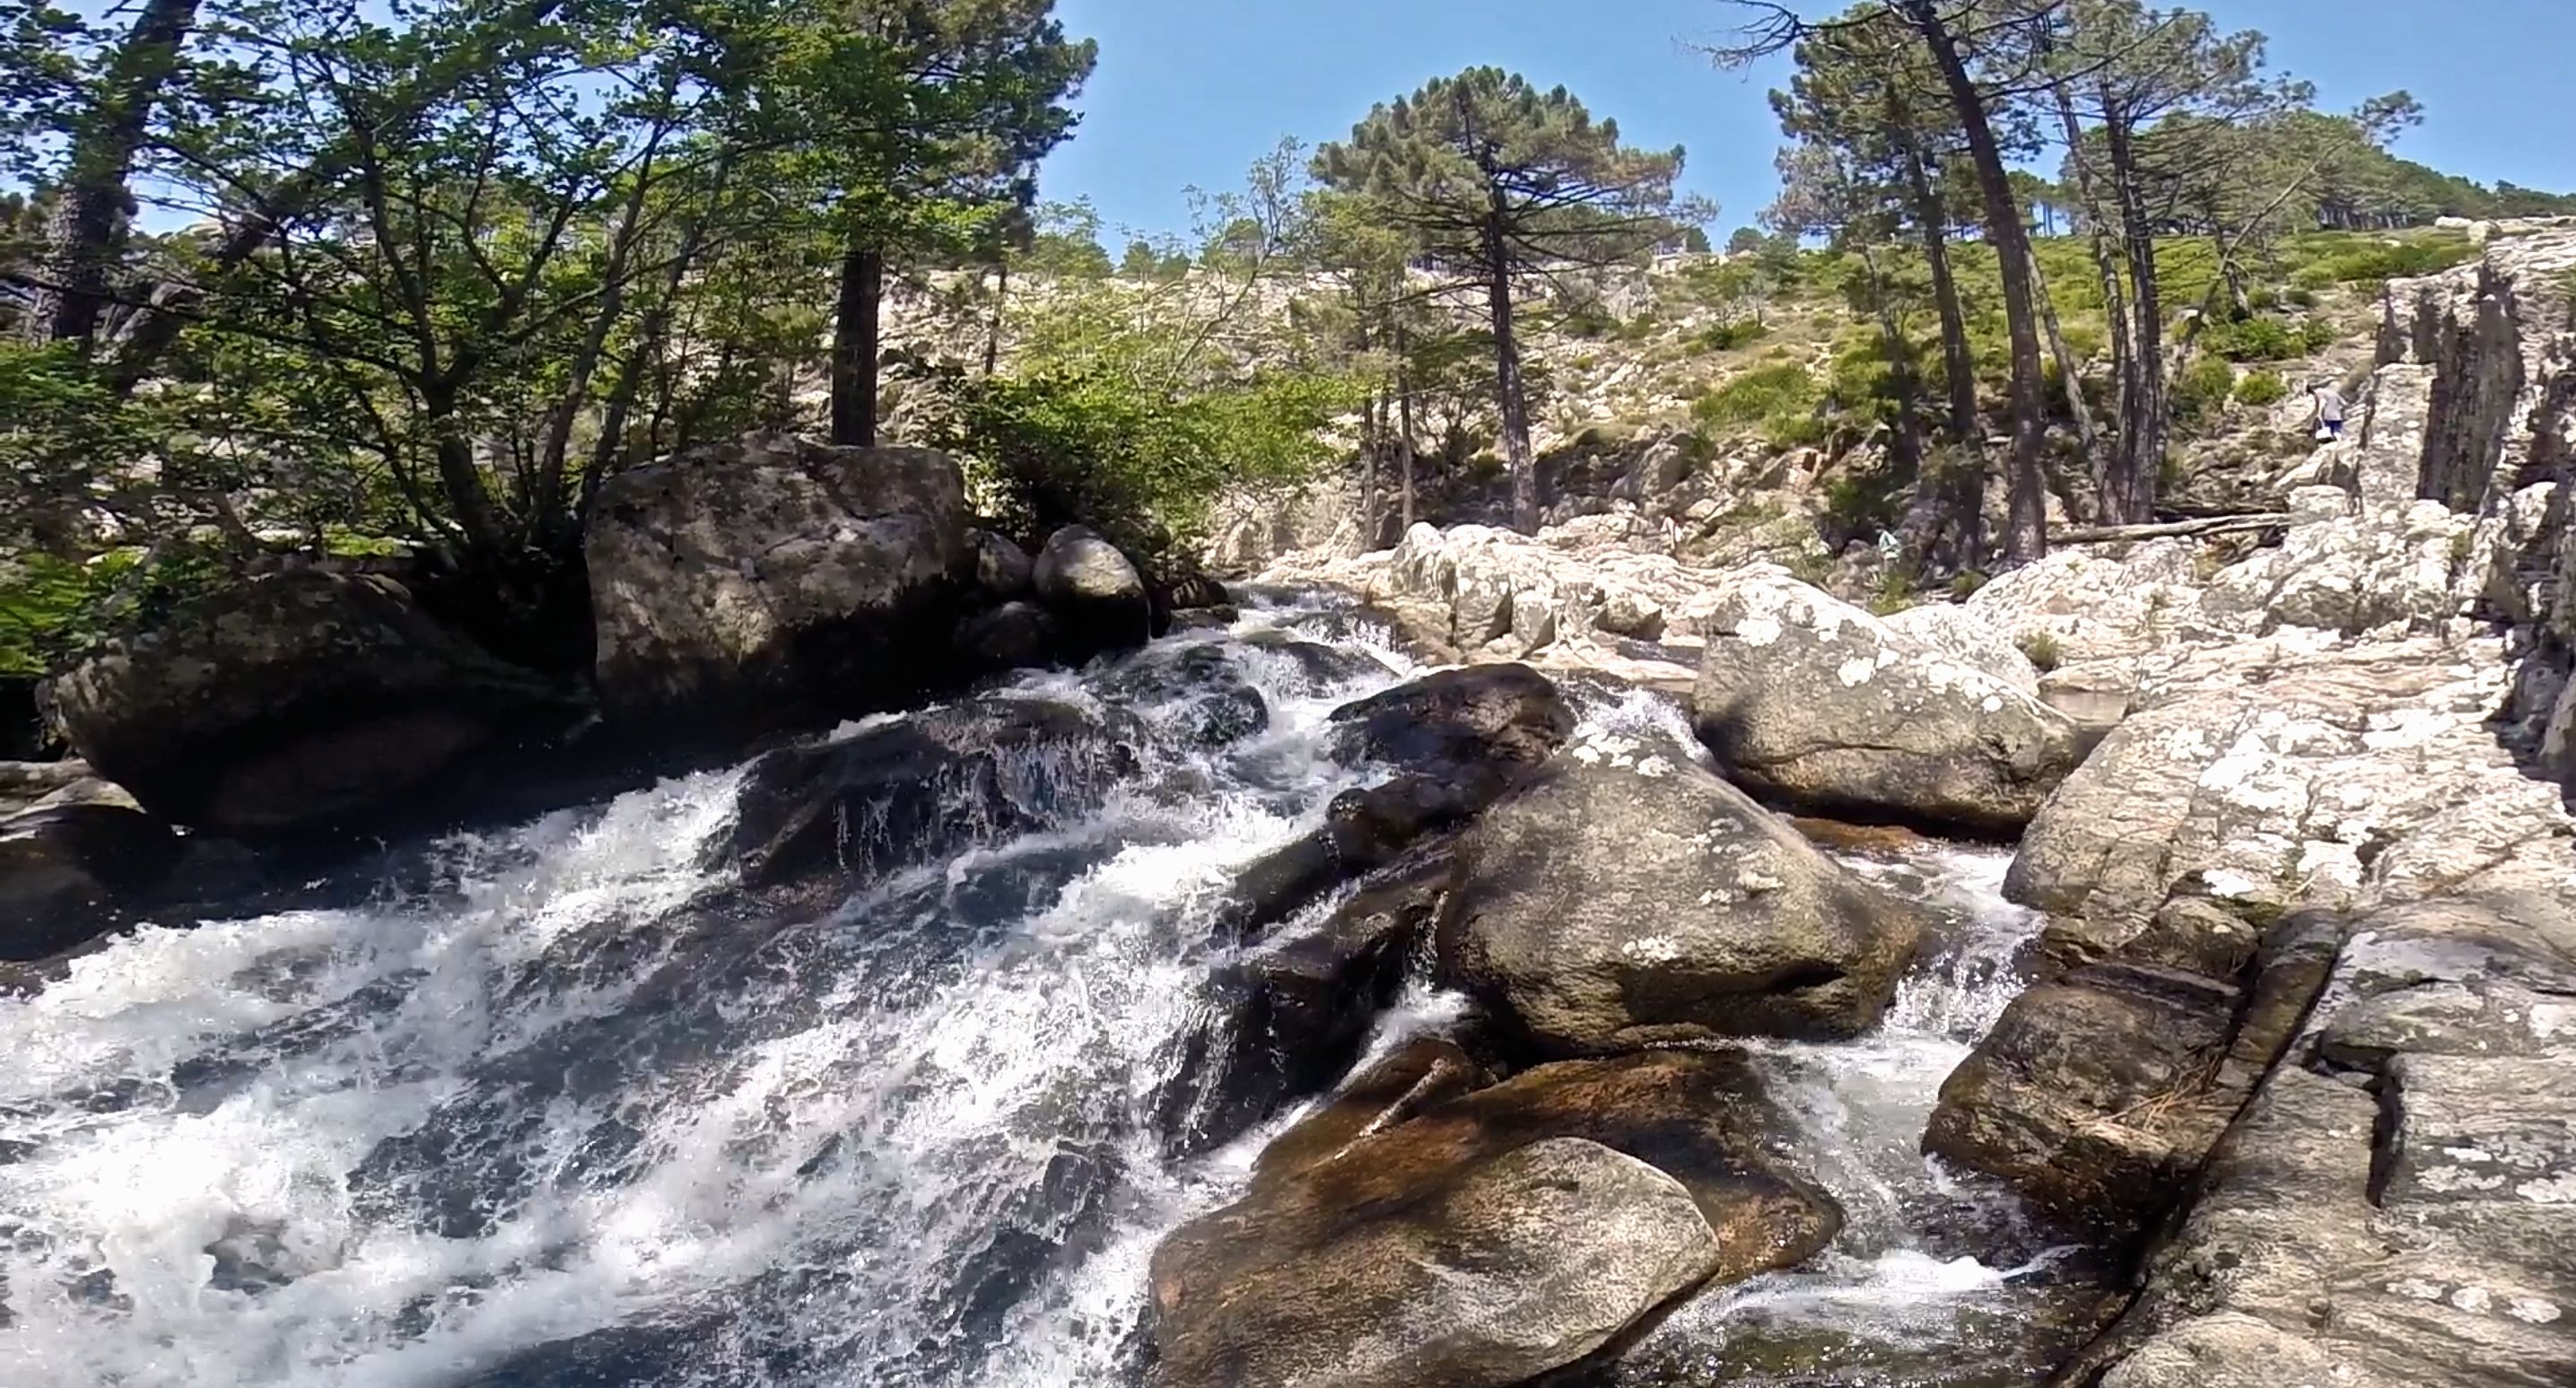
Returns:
<point x="2202" y="388"/>
<point x="2262" y="388"/>
<point x="2263" y="338"/>
<point x="2299" y="298"/>
<point x="2043" y="651"/>
<point x="1965" y="583"/>
<point x="2262" y="298"/>
<point x="1726" y="337"/>
<point x="2401" y="260"/>
<point x="1780" y="399"/>
<point x="1896" y="592"/>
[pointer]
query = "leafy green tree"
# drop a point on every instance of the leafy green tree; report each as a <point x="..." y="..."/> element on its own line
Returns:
<point x="1497" y="181"/>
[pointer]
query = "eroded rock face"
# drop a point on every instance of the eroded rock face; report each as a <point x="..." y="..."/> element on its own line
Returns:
<point x="2420" y="1235"/>
<point x="1816" y="702"/>
<point x="773" y="581"/>
<point x="1490" y="1238"/>
<point x="301" y="700"/>
<point x="1628" y="897"/>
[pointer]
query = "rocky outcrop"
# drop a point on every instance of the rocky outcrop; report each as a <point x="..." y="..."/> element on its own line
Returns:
<point x="1823" y="706"/>
<point x="300" y="701"/>
<point x="2396" y="1205"/>
<point x="2082" y="605"/>
<point x="1627" y="897"/>
<point x="1489" y="1238"/>
<point x="773" y="581"/>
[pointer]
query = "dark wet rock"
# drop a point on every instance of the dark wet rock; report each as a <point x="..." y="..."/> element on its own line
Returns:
<point x="1627" y="898"/>
<point x="909" y="790"/>
<point x="1321" y="664"/>
<point x="1457" y="740"/>
<point x="1003" y="571"/>
<point x="1013" y="636"/>
<point x="1416" y="1077"/>
<point x="1094" y="590"/>
<point x="65" y="872"/>
<point x="1290" y="1016"/>
<point x="27" y="784"/>
<point x="299" y="701"/>
<point x="1492" y="1237"/>
<point x="774" y="582"/>
<point x="1196" y="590"/>
<point x="1815" y="702"/>
<point x="1197" y="691"/>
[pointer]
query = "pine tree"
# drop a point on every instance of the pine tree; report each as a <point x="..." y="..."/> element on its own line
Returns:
<point x="1498" y="181"/>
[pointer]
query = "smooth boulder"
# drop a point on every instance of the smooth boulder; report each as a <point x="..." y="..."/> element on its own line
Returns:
<point x="773" y="581"/>
<point x="1627" y="897"/>
<point x="1815" y="702"/>
<point x="303" y="700"/>
<point x="1094" y="590"/>
<point x="66" y="870"/>
<point x="1490" y="1238"/>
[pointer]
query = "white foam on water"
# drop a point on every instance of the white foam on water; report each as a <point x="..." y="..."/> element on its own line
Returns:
<point x="807" y="1160"/>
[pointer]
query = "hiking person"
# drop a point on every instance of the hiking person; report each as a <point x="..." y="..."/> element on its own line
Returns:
<point x="2329" y="409"/>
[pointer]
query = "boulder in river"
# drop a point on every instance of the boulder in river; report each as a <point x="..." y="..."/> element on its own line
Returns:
<point x="1002" y="569"/>
<point x="65" y="869"/>
<point x="901" y="792"/>
<point x="1457" y="740"/>
<point x="1812" y="700"/>
<point x="1627" y="897"/>
<point x="774" y="580"/>
<point x="1094" y="590"/>
<point x="299" y="701"/>
<point x="1490" y="1238"/>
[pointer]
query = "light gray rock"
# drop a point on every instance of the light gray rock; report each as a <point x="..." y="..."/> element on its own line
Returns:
<point x="1822" y="705"/>
<point x="774" y="580"/>
<point x="1961" y="635"/>
<point x="1627" y="897"/>
<point x="2085" y="605"/>
<point x="1093" y="590"/>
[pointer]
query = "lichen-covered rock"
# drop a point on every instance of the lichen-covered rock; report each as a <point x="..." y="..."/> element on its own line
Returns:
<point x="2398" y="569"/>
<point x="1490" y="1238"/>
<point x="1627" y="897"/>
<point x="2085" y="605"/>
<point x="773" y="581"/>
<point x="1961" y="635"/>
<point x="301" y="700"/>
<point x="1816" y="702"/>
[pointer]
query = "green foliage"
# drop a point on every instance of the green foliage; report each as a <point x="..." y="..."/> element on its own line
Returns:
<point x="2042" y="649"/>
<point x="1896" y="592"/>
<point x="1727" y="336"/>
<point x="2260" y="388"/>
<point x="2202" y="389"/>
<point x="2263" y="338"/>
<point x="1780" y="402"/>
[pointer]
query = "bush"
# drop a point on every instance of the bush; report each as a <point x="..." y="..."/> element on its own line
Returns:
<point x="1727" y="336"/>
<point x="1781" y="399"/>
<point x="2400" y="260"/>
<point x="1965" y="583"/>
<point x="2262" y="388"/>
<point x="2263" y="338"/>
<point x="2299" y="298"/>
<point x="2202" y="388"/>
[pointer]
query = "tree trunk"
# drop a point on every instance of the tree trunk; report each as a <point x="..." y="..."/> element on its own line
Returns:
<point x="86" y="240"/>
<point x="1372" y="448"/>
<point x="1403" y="428"/>
<point x="459" y="478"/>
<point x="854" y="345"/>
<point x="2026" y="534"/>
<point x="1507" y="377"/>
<point x="2144" y="429"/>
<point x="993" y="328"/>
<point x="1958" y="365"/>
<point x="2069" y="370"/>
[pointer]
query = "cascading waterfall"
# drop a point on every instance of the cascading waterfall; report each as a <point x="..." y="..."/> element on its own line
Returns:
<point x="578" y="1109"/>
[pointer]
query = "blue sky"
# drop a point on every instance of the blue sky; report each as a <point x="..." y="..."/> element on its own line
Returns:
<point x="1191" y="91"/>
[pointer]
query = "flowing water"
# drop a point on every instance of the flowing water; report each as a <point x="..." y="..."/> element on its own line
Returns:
<point x="563" y="1105"/>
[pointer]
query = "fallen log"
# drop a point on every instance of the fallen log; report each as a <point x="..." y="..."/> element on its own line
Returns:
<point x="2207" y="525"/>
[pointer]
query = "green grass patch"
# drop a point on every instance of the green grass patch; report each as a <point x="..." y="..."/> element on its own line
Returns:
<point x="2260" y="388"/>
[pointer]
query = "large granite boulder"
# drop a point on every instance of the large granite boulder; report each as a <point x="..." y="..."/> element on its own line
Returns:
<point x="1816" y="702"/>
<point x="1951" y="630"/>
<point x="1094" y="590"/>
<point x="2081" y="605"/>
<point x="1627" y="897"/>
<point x="773" y="580"/>
<point x="1490" y="1238"/>
<point x="299" y="701"/>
